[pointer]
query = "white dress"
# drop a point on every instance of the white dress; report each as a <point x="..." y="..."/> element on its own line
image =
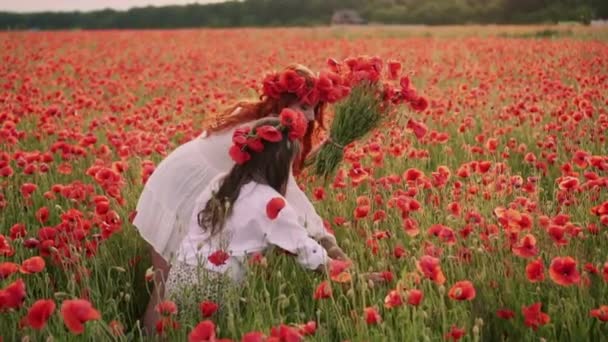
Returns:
<point x="248" y="230"/>
<point x="194" y="276"/>
<point x="168" y="198"/>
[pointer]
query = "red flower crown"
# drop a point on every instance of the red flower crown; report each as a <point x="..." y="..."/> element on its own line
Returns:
<point x="245" y="140"/>
<point x="327" y="87"/>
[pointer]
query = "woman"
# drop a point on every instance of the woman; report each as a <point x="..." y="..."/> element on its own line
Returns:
<point x="168" y="198"/>
<point x="241" y="213"/>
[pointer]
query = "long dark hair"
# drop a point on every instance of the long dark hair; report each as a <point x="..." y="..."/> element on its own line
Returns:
<point x="270" y="167"/>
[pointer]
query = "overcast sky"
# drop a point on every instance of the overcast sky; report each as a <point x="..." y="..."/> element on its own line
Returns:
<point x="86" y="5"/>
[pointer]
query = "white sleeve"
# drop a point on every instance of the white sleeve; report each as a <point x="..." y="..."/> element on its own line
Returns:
<point x="307" y="215"/>
<point x="286" y="233"/>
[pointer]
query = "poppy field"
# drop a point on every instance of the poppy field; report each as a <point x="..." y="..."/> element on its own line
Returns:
<point x="488" y="218"/>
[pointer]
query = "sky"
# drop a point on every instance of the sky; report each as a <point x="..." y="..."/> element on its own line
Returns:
<point x="86" y="5"/>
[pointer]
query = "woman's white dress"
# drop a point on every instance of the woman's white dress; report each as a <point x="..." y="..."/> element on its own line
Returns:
<point x="168" y="198"/>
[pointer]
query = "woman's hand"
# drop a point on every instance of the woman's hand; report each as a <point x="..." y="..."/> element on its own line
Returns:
<point x="375" y="277"/>
<point x="312" y="156"/>
<point x="331" y="247"/>
<point x="337" y="253"/>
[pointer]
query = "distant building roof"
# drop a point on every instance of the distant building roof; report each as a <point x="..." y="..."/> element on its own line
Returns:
<point x="347" y="17"/>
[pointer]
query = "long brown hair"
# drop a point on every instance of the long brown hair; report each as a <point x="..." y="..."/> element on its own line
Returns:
<point x="247" y="111"/>
<point x="270" y="167"/>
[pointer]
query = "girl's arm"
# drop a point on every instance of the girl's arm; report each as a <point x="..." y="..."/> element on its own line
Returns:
<point x="286" y="232"/>
<point x="308" y="218"/>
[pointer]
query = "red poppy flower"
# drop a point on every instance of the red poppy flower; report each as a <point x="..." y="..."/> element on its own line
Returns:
<point x="6" y="171"/>
<point x="419" y="104"/>
<point x="34" y="264"/>
<point x="64" y="169"/>
<point x="535" y="271"/>
<point x="288" y="117"/>
<point x="505" y="313"/>
<point x="39" y="313"/>
<point x="27" y="189"/>
<point x="274" y="207"/>
<point x="271" y="86"/>
<point x="76" y="312"/>
<point x="462" y="290"/>
<point x="394" y="68"/>
<point x="591" y="268"/>
<point x="165" y="324"/>
<point x="526" y="247"/>
<point x="399" y="252"/>
<point x="405" y="82"/>
<point x="411" y="175"/>
<point x="208" y="308"/>
<point x="323" y="291"/>
<point x="295" y="121"/>
<point x="534" y="317"/>
<point x="13" y="295"/>
<point x="455" y="333"/>
<point x="357" y="174"/>
<point x="600" y="313"/>
<point x="18" y="231"/>
<point x="7" y="268"/>
<point x="238" y="155"/>
<point x="414" y="297"/>
<point x="42" y="215"/>
<point x="319" y="193"/>
<point x="337" y="271"/>
<point x="291" y="81"/>
<point x="308" y="329"/>
<point x="324" y="83"/>
<point x="430" y="268"/>
<point x="605" y="271"/>
<point x="258" y="259"/>
<point x="203" y="332"/>
<point x="116" y="328"/>
<point x="269" y="133"/>
<point x="361" y="211"/>
<point x="284" y="333"/>
<point x="253" y="336"/>
<point x="447" y="235"/>
<point x="218" y="257"/>
<point x="312" y="97"/>
<point x="372" y="317"/>
<point x="255" y="144"/>
<point x="418" y="128"/>
<point x="569" y="183"/>
<point x="563" y="271"/>
<point x="393" y="299"/>
<point x="410" y="226"/>
<point x="333" y="64"/>
<point x="557" y="234"/>
<point x="166" y="308"/>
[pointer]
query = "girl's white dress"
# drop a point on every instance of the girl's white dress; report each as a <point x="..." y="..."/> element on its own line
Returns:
<point x="165" y="206"/>
<point x="195" y="275"/>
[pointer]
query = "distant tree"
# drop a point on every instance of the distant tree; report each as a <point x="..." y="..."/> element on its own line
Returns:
<point x="315" y="12"/>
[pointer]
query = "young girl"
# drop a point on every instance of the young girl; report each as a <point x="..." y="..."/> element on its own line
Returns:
<point x="243" y="212"/>
<point x="168" y="197"/>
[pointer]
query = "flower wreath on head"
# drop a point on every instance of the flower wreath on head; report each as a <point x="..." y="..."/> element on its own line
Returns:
<point x="246" y="141"/>
<point x="327" y="87"/>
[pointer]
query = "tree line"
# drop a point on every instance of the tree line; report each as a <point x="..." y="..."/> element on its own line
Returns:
<point x="315" y="12"/>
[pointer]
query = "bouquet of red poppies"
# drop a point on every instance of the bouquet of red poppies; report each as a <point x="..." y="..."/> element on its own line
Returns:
<point x="372" y="99"/>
